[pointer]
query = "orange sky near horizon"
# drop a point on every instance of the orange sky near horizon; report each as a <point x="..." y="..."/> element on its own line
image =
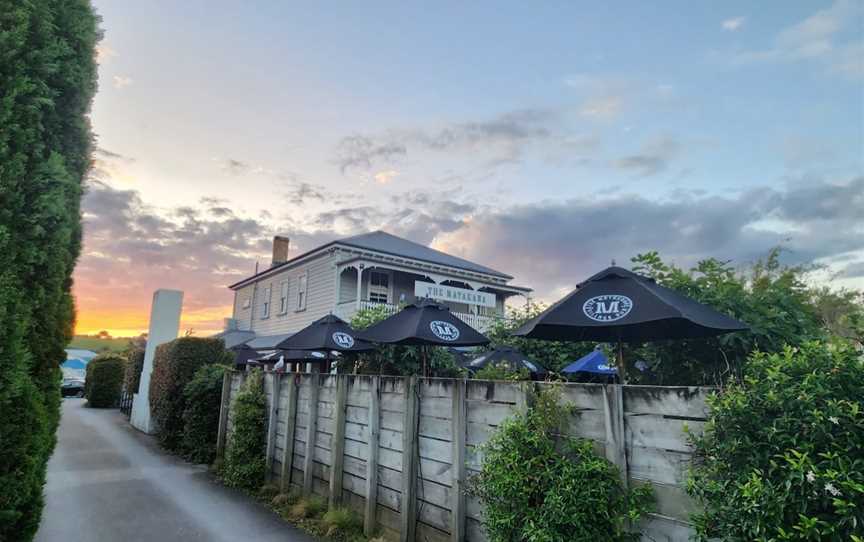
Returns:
<point x="131" y="322"/>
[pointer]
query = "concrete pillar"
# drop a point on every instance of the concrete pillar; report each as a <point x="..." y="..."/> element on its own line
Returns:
<point x="164" y="326"/>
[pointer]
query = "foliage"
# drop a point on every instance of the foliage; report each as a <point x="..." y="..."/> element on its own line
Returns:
<point x="782" y="455"/>
<point x="48" y="76"/>
<point x="772" y="299"/>
<point x="134" y="366"/>
<point x="89" y="342"/>
<point x="174" y="365"/>
<point x="343" y="524"/>
<point x="401" y="360"/>
<point x="501" y="371"/>
<point x="553" y="355"/>
<point x="203" y="398"/>
<point x="244" y="463"/>
<point x="104" y="380"/>
<point x="538" y="485"/>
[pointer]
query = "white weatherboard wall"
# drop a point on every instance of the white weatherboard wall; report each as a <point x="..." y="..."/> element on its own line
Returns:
<point x="164" y="325"/>
<point x="326" y="431"/>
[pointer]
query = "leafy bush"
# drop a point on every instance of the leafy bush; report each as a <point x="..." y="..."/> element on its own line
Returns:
<point x="203" y="397"/>
<point x="343" y="524"/>
<point x="782" y="455"/>
<point x="104" y="380"/>
<point x="501" y="371"/>
<point x="174" y="365"/>
<point x="538" y="485"/>
<point x="134" y="366"/>
<point x="311" y="506"/>
<point x="244" y="463"/>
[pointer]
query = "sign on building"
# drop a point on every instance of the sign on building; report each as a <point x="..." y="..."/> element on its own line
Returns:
<point x="452" y="294"/>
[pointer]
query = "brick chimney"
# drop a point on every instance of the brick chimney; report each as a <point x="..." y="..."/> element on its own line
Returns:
<point x="280" y="250"/>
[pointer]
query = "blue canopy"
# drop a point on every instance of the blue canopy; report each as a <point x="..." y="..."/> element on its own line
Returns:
<point x="595" y="362"/>
<point x="74" y="363"/>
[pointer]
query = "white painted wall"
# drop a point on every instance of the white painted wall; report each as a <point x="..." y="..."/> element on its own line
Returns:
<point x="164" y="326"/>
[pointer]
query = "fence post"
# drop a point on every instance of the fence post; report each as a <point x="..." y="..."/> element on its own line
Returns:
<point x="372" y="457"/>
<point x="338" y="443"/>
<point x="290" y="428"/>
<point x="223" y="413"/>
<point x="312" y="429"/>
<point x="409" y="463"/>
<point x="457" y="512"/>
<point x="613" y="414"/>
<point x="272" y="422"/>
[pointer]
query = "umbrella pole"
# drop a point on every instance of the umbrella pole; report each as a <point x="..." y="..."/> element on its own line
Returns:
<point x="622" y="371"/>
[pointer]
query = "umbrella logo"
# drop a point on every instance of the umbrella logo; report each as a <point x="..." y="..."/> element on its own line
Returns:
<point x="608" y="307"/>
<point x="444" y="330"/>
<point x="343" y="340"/>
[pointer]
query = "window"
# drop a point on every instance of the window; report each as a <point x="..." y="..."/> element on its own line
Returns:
<point x="265" y="307"/>
<point x="246" y="303"/>
<point x="379" y="287"/>
<point x="283" y="298"/>
<point x="301" y="292"/>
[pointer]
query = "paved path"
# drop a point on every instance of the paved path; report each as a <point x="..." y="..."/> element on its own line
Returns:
<point x="107" y="482"/>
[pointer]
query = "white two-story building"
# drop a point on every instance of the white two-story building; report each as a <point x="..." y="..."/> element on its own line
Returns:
<point x="347" y="275"/>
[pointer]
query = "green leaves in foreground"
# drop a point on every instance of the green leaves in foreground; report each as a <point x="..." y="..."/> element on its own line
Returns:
<point x="539" y="486"/>
<point x="782" y="456"/>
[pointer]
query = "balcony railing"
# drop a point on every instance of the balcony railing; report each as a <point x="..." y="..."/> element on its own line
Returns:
<point x="347" y="310"/>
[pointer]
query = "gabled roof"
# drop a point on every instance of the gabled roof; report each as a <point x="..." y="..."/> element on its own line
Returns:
<point x="381" y="241"/>
<point x="386" y="243"/>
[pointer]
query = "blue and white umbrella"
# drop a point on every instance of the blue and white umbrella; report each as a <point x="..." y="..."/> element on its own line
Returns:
<point x="596" y="362"/>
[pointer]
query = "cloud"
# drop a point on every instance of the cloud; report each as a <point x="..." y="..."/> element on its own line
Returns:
<point x="358" y="151"/>
<point x="121" y="81"/>
<point x="104" y="53"/>
<point x="733" y="24"/>
<point x="386" y="176"/>
<point x="602" y="107"/>
<point x="653" y="158"/>
<point x="552" y="246"/>
<point x="818" y="38"/>
<point x="502" y="139"/>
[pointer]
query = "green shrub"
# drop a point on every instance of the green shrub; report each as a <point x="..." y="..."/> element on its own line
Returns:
<point x="244" y="463"/>
<point x="500" y="371"/>
<point x="308" y="507"/>
<point x="134" y="366"/>
<point x="174" y="365"/>
<point x="782" y="455"/>
<point x="537" y="485"/>
<point x="203" y="397"/>
<point x="342" y="524"/>
<point x="104" y="380"/>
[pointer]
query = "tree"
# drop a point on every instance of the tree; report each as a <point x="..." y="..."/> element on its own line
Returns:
<point x="399" y="360"/>
<point x="48" y="75"/>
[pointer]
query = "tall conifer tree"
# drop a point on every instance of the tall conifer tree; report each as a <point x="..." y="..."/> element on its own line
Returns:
<point x="47" y="82"/>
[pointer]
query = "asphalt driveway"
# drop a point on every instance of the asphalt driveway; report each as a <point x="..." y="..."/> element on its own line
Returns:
<point x="107" y="482"/>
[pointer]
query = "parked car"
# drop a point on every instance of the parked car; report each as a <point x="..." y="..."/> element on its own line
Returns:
<point x="72" y="387"/>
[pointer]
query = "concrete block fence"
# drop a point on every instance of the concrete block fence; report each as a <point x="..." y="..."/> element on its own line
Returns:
<point x="398" y="450"/>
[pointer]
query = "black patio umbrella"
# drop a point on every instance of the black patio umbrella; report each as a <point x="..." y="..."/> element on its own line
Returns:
<point x="423" y="324"/>
<point x="617" y="305"/>
<point x="327" y="334"/>
<point x="509" y="356"/>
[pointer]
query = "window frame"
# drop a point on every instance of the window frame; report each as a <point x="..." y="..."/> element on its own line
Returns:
<point x="302" y="291"/>
<point x="265" y="306"/>
<point x="387" y="273"/>
<point x="284" y="296"/>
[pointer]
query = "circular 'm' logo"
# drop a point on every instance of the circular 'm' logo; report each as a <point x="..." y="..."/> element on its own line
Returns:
<point x="607" y="308"/>
<point x="343" y="340"/>
<point x="444" y="330"/>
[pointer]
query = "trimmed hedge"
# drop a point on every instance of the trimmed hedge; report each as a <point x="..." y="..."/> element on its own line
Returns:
<point x="174" y="365"/>
<point x="244" y="465"/>
<point x="203" y="396"/>
<point x="134" y="366"/>
<point x="104" y="381"/>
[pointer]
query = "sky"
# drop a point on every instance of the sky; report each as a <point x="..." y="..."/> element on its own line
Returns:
<point x="541" y="139"/>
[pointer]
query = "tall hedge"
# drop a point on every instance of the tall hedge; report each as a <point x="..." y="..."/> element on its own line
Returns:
<point x="104" y="380"/>
<point x="174" y="365"/>
<point x="134" y="366"/>
<point x="203" y="395"/>
<point x="244" y="465"/>
<point x="47" y="81"/>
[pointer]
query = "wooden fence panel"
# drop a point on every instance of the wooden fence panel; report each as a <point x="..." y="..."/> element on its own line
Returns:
<point x="355" y="438"/>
